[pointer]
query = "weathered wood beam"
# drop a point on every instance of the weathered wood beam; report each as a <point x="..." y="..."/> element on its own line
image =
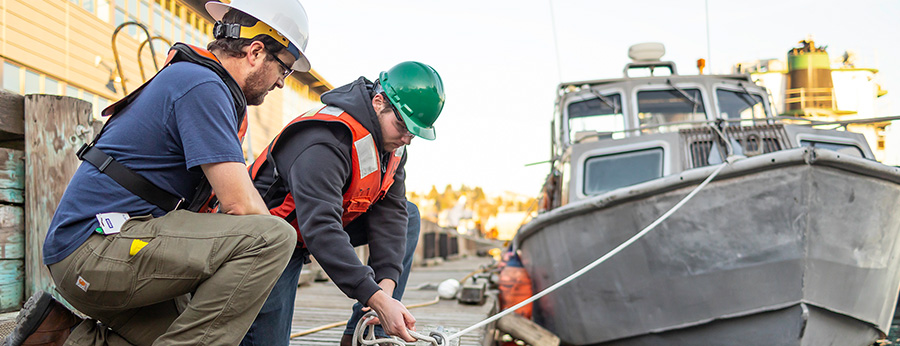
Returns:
<point x="12" y="176"/>
<point x="55" y="127"/>
<point x="12" y="257"/>
<point x="12" y="122"/>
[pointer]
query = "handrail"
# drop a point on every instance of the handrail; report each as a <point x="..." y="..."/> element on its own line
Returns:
<point x="140" y="62"/>
<point x="812" y="122"/>
<point x="148" y="42"/>
<point x="691" y="122"/>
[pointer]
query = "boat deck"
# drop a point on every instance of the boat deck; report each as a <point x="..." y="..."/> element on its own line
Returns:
<point x="321" y="303"/>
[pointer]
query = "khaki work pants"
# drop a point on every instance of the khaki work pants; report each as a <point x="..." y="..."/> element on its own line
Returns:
<point x="227" y="263"/>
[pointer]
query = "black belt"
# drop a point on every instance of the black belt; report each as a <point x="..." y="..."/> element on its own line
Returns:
<point x="131" y="181"/>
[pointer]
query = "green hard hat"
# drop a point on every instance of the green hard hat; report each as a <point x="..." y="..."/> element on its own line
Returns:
<point x="417" y="92"/>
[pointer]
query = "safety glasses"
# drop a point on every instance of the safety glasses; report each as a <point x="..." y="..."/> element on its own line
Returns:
<point x="287" y="69"/>
<point x="402" y="124"/>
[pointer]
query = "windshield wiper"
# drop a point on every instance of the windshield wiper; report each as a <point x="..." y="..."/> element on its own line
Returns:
<point x="606" y="100"/>
<point x="747" y="97"/>
<point x="684" y="94"/>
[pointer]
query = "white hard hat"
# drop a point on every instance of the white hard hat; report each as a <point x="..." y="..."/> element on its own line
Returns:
<point x="286" y="17"/>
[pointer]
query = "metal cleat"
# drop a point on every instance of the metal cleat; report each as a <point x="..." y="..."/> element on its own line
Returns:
<point x="438" y="336"/>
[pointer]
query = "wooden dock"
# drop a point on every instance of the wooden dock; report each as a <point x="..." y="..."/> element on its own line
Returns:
<point x="321" y="303"/>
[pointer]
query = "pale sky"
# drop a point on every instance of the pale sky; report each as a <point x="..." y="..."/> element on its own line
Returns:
<point x="501" y="64"/>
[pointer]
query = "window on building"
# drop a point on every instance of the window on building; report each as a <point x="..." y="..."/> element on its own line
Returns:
<point x="88" y="5"/>
<point x="179" y="31"/>
<point x="102" y="103"/>
<point x="103" y="10"/>
<point x="157" y="20"/>
<point x="145" y="13"/>
<point x="119" y="17"/>
<point x="168" y="29"/>
<point x="89" y="97"/>
<point x="51" y="86"/>
<point x="11" y="77"/>
<point x="32" y="83"/>
<point x="71" y="91"/>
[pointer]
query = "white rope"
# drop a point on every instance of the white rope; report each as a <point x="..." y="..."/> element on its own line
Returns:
<point x="435" y="338"/>
<point x="601" y="259"/>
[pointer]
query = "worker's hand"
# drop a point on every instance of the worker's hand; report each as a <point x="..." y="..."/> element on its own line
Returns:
<point x="387" y="285"/>
<point x="394" y="317"/>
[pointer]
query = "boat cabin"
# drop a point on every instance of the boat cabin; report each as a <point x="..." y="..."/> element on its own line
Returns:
<point x="615" y="133"/>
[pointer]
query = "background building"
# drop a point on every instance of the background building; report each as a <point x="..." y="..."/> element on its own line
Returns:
<point x="64" y="47"/>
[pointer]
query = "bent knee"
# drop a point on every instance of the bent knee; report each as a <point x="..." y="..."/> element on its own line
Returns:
<point x="273" y="229"/>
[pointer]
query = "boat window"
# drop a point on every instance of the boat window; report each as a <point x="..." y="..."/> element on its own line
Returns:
<point x="595" y="118"/>
<point x="659" y="107"/>
<point x="609" y="172"/>
<point x="848" y="149"/>
<point x="739" y="105"/>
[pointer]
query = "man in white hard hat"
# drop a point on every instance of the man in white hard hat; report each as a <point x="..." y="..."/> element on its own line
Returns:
<point x="127" y="245"/>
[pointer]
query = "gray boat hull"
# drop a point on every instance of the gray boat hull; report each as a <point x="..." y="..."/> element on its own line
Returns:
<point x="797" y="247"/>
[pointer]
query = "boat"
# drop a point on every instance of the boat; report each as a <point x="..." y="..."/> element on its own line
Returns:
<point x="795" y="242"/>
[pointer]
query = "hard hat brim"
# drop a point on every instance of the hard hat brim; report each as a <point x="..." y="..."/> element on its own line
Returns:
<point x="218" y="9"/>
<point x="419" y="131"/>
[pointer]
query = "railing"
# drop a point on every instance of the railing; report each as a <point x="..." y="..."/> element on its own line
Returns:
<point x="700" y="143"/>
<point x="799" y="98"/>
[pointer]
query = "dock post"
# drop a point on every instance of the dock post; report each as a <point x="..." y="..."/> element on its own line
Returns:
<point x="12" y="218"/>
<point x="55" y="127"/>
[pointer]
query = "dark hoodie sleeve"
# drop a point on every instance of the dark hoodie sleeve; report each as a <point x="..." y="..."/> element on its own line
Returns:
<point x="387" y="229"/>
<point x="314" y="162"/>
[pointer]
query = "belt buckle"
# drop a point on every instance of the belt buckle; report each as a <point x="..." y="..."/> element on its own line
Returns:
<point x="84" y="148"/>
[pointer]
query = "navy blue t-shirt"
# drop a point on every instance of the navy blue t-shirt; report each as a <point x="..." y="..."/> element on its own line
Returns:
<point x="184" y="118"/>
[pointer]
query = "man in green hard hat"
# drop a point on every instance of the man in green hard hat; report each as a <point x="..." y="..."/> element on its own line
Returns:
<point x="337" y="175"/>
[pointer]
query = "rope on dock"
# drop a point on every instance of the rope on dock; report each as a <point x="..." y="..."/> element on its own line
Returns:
<point x="341" y="323"/>
<point x="434" y="338"/>
<point x="619" y="248"/>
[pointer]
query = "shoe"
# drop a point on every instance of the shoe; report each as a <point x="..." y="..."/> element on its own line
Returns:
<point x="347" y="340"/>
<point x="43" y="321"/>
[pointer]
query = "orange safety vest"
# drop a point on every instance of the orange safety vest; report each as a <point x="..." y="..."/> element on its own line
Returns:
<point x="366" y="185"/>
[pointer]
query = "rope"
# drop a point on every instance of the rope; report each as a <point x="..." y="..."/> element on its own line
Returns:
<point x="601" y="259"/>
<point x="435" y="338"/>
<point x="341" y="323"/>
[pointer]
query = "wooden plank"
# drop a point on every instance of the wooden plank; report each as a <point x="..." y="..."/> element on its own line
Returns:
<point x="55" y="127"/>
<point x="524" y="329"/>
<point x="14" y="196"/>
<point x="12" y="275"/>
<point x="12" y="232"/>
<point x="12" y="123"/>
<point x="12" y="169"/>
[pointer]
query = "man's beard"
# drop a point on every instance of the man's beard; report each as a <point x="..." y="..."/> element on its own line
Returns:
<point x="254" y="89"/>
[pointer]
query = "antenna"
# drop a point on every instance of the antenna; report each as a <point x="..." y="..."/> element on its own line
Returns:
<point x="708" y="44"/>
<point x="555" y="42"/>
